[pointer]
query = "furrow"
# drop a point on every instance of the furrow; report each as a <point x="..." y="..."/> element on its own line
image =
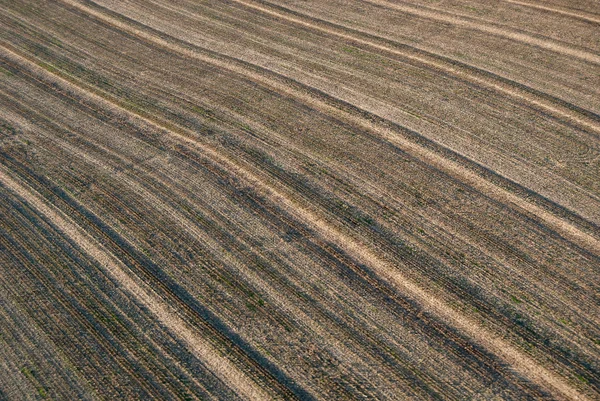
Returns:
<point x="130" y="256"/>
<point x="493" y="343"/>
<point x="42" y="279"/>
<point x="463" y="169"/>
<point x="295" y="313"/>
<point x="449" y="66"/>
<point x="585" y="17"/>
<point x="221" y="366"/>
<point x="98" y="298"/>
<point x="490" y="29"/>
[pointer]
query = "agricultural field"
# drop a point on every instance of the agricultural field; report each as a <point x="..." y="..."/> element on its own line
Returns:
<point x="299" y="199"/>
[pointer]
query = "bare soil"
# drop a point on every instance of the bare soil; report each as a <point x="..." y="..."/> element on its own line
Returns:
<point x="292" y="199"/>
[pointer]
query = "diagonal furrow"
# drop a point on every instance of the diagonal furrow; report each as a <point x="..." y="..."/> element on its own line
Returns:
<point x="584" y="17"/>
<point x="374" y="284"/>
<point x="523" y="364"/>
<point x="490" y="29"/>
<point x="339" y="109"/>
<point x="164" y="312"/>
<point x="453" y="67"/>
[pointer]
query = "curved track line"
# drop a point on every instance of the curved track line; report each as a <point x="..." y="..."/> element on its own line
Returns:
<point x="523" y="364"/>
<point x="452" y="168"/>
<point x="469" y="23"/>
<point x="219" y="365"/>
<point x="188" y="226"/>
<point x="556" y="11"/>
<point x="486" y="82"/>
<point x="180" y="218"/>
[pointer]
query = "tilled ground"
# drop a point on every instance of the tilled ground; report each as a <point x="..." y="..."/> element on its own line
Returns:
<point x="299" y="199"/>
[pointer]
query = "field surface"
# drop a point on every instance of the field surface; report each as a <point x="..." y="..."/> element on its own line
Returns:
<point x="299" y="199"/>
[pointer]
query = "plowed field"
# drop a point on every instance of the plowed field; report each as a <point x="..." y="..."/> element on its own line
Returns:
<point x="299" y="199"/>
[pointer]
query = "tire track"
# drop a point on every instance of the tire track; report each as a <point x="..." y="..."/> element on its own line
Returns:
<point x="49" y="284"/>
<point x="522" y="363"/>
<point x="371" y="282"/>
<point x="455" y="68"/>
<point x="187" y="226"/>
<point x="257" y="369"/>
<point x="124" y="251"/>
<point x="295" y="311"/>
<point x="381" y="206"/>
<point x="102" y="234"/>
<point x="471" y="23"/>
<point x="364" y="120"/>
<point x="218" y="364"/>
<point x="148" y="342"/>
<point x="583" y="17"/>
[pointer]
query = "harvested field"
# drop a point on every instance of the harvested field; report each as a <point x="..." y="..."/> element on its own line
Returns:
<point x="299" y="199"/>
